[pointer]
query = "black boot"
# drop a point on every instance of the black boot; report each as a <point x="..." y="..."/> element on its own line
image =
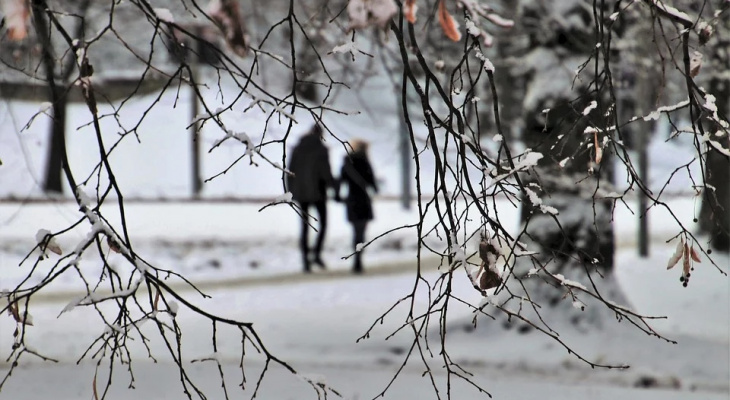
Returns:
<point x="357" y="267"/>
<point x="306" y="264"/>
<point x="318" y="260"/>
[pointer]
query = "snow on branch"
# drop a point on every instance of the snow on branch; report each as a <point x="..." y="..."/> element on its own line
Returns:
<point x="654" y="115"/>
<point x="486" y="63"/>
<point x="537" y="202"/>
<point x="710" y="106"/>
<point x="528" y="161"/>
<point x="46" y="241"/>
<point x="95" y="297"/>
<point x="569" y="283"/>
<point x="164" y="15"/>
<point x="347" y="48"/>
<point x="715" y="144"/>
<point x="477" y="8"/>
<point x="671" y="13"/>
<point x="592" y="106"/>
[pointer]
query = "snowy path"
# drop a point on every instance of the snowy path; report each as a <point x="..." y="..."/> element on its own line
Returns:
<point x="313" y="321"/>
<point x="314" y="325"/>
<point x="156" y="382"/>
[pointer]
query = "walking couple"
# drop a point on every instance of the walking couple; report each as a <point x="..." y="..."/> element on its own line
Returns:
<point x="311" y="177"/>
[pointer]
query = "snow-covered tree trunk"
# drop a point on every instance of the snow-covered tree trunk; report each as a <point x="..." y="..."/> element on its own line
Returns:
<point x="510" y="86"/>
<point x="574" y="169"/>
<point x="715" y="212"/>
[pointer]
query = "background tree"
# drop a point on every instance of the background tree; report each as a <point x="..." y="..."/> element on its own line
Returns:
<point x="60" y="70"/>
<point x="565" y="98"/>
<point x="715" y="213"/>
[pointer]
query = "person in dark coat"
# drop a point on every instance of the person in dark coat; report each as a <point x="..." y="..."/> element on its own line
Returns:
<point x="310" y="166"/>
<point x="357" y="175"/>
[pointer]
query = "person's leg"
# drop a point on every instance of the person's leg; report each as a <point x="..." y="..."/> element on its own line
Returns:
<point x="322" y="213"/>
<point x="358" y="237"/>
<point x="304" y="235"/>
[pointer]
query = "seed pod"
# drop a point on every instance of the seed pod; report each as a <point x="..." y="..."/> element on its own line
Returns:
<point x="694" y="254"/>
<point x="685" y="262"/>
<point x="677" y="254"/>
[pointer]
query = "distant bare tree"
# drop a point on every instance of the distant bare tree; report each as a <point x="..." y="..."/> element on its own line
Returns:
<point x="59" y="69"/>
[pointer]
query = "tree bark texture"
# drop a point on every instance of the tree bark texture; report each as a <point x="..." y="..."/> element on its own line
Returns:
<point x="715" y="211"/>
<point x="52" y="182"/>
<point x="566" y="178"/>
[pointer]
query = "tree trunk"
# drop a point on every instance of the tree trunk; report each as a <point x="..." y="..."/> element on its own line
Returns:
<point x="583" y="232"/>
<point x="306" y="62"/>
<point x="56" y="155"/>
<point x="52" y="182"/>
<point x="580" y="237"/>
<point x="715" y="211"/>
<point x="510" y="87"/>
<point x="716" y="203"/>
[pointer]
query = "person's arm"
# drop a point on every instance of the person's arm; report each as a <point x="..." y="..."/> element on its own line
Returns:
<point x="370" y="176"/>
<point x="325" y="173"/>
<point x="338" y="184"/>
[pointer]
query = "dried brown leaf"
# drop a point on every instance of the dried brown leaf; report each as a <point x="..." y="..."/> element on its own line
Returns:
<point x="52" y="246"/>
<point x="448" y="23"/>
<point x="93" y="387"/>
<point x="18" y="317"/>
<point x="674" y="259"/>
<point x="227" y="15"/>
<point x="694" y="254"/>
<point x="17" y="18"/>
<point x="13" y="310"/>
<point x="695" y="63"/>
<point x="364" y="13"/>
<point x="488" y="279"/>
<point x="113" y="245"/>
<point x="409" y="10"/>
<point x="685" y="262"/>
<point x="599" y="150"/>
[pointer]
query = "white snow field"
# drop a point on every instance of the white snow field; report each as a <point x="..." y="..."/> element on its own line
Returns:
<point x="247" y="261"/>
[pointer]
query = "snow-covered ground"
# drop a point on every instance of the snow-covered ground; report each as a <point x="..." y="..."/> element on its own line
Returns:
<point x="247" y="261"/>
<point x="314" y="325"/>
<point x="232" y="240"/>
